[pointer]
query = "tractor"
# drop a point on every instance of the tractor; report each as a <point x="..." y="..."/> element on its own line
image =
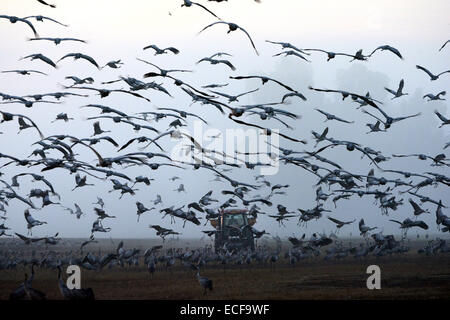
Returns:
<point x="233" y="230"/>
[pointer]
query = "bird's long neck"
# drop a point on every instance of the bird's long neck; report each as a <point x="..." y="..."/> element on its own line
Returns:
<point x="25" y="285"/>
<point x="60" y="281"/>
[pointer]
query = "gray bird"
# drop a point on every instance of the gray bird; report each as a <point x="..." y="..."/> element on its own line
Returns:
<point x="432" y="76"/>
<point x="399" y="92"/>
<point x="432" y="97"/>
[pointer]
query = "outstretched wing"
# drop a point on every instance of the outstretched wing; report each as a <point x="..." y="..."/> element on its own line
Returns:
<point x="221" y="94"/>
<point x="133" y="93"/>
<point x="293" y="94"/>
<point x="91" y="60"/>
<point x="228" y="63"/>
<point x="391" y="49"/>
<point x="444" y="45"/>
<point x="396" y="221"/>
<point x="47" y="60"/>
<point x="152" y="46"/>
<point x="374" y="51"/>
<point x="111" y="140"/>
<point x="210" y="25"/>
<point x="47" y="4"/>
<point x="196" y="206"/>
<point x="33" y="124"/>
<point x="156" y="227"/>
<point x="425" y="70"/>
<point x="448" y="71"/>
<point x="172" y="49"/>
<point x="414" y="205"/>
<point x="401" y="85"/>
<point x="407" y="117"/>
<point x="324" y="133"/>
<point x="421" y="224"/>
<point x="22" y="237"/>
<point x="244" y="93"/>
<point x="323" y="112"/>
<point x="334" y="220"/>
<point x="201" y="6"/>
<point x="283" y="85"/>
<point x="251" y="41"/>
<point x="440" y="116"/>
<point x="390" y="91"/>
<point x="31" y="26"/>
<point x="128" y="143"/>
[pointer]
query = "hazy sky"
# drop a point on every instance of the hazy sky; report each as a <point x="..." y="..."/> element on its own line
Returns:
<point x="119" y="30"/>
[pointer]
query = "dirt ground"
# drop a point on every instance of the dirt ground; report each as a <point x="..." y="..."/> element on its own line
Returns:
<point x="411" y="276"/>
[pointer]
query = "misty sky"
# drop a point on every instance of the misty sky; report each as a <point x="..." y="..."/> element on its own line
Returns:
<point x="119" y="30"/>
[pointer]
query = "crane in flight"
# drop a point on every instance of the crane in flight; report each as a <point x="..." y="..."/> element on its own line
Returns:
<point x="232" y="27"/>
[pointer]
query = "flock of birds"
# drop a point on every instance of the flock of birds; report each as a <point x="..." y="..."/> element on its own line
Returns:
<point x="60" y="152"/>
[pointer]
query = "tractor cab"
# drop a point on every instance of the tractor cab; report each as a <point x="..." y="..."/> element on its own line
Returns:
<point x="233" y="230"/>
